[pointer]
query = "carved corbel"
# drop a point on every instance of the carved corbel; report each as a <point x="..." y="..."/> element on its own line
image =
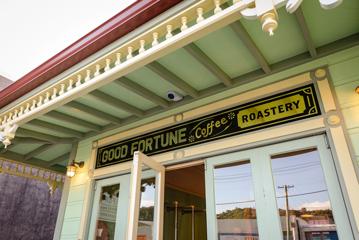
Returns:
<point x="265" y="10"/>
<point x="8" y="133"/>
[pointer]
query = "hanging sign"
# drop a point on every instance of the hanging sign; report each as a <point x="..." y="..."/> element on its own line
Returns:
<point x="281" y="108"/>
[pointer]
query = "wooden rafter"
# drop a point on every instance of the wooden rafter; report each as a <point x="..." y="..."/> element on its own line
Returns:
<point x="56" y="128"/>
<point x="73" y="120"/>
<point x="58" y="160"/>
<point x="305" y="31"/>
<point x="69" y="156"/>
<point x="92" y="111"/>
<point x="143" y="92"/>
<point x="242" y="33"/>
<point x="208" y="63"/>
<point x="172" y="78"/>
<point x="37" y="151"/>
<point x="21" y="140"/>
<point x="42" y="136"/>
<point x="117" y="103"/>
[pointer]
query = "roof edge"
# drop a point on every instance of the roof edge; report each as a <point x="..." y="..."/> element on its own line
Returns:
<point x="116" y="27"/>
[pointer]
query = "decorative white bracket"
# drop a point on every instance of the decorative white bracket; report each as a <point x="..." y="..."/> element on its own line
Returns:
<point x="7" y="134"/>
<point x="265" y="10"/>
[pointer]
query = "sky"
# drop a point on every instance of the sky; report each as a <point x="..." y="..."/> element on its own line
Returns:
<point x="33" y="31"/>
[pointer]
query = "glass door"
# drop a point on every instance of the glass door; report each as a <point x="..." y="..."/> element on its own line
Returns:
<point x="110" y="207"/>
<point x="282" y="191"/>
<point x="130" y="206"/>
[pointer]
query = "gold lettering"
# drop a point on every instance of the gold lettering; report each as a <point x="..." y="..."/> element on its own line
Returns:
<point x="218" y="124"/>
<point x="105" y="156"/>
<point x="141" y="145"/>
<point x="173" y="138"/>
<point x="156" y="140"/>
<point x="182" y="135"/>
<point x="124" y="150"/>
<point x="198" y="135"/>
<point x="134" y="147"/>
<point x="164" y="139"/>
<point x="117" y="152"/>
<point x="111" y="154"/>
<point x="149" y="142"/>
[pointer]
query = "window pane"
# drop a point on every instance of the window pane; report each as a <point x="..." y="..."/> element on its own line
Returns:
<point x="147" y="203"/>
<point x="235" y="205"/>
<point x="106" y="221"/>
<point x="309" y="210"/>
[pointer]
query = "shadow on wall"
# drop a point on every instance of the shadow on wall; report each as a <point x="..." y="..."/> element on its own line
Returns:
<point x="27" y="209"/>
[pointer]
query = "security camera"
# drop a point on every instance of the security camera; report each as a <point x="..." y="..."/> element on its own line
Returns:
<point x="174" y="96"/>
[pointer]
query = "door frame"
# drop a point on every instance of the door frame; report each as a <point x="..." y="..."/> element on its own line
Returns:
<point x="265" y="197"/>
<point x="122" y="204"/>
<point x="140" y="159"/>
<point x="129" y="198"/>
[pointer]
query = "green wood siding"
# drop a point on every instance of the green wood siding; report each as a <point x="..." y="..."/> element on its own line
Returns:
<point x="74" y="207"/>
<point x="345" y="78"/>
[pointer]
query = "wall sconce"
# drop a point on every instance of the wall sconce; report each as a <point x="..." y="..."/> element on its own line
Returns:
<point x="72" y="167"/>
<point x="357" y="89"/>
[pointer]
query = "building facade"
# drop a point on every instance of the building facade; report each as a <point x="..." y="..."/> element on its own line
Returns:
<point x="197" y="124"/>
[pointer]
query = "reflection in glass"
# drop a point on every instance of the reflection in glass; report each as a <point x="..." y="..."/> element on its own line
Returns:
<point x="305" y="209"/>
<point x="106" y="220"/>
<point x="147" y="203"/>
<point x="235" y="205"/>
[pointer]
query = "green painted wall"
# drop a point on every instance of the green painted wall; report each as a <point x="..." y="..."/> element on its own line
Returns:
<point x="345" y="78"/>
<point x="344" y="69"/>
<point x="76" y="197"/>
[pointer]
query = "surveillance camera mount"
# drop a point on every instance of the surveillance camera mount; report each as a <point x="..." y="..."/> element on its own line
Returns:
<point x="174" y="96"/>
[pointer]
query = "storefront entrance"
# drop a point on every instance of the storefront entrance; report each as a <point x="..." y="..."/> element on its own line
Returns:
<point x="184" y="212"/>
<point x="283" y="191"/>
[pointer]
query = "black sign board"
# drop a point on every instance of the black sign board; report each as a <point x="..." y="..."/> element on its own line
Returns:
<point x="281" y="108"/>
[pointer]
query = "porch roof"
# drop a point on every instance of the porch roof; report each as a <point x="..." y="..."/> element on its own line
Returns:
<point x="229" y="53"/>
